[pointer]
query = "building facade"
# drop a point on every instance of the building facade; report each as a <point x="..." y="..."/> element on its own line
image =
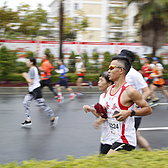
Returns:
<point x="119" y="29"/>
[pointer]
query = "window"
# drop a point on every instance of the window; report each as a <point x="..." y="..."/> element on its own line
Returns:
<point x="76" y="6"/>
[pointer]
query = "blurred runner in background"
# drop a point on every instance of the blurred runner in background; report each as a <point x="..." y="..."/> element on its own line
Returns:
<point x="46" y="69"/>
<point x="62" y="70"/>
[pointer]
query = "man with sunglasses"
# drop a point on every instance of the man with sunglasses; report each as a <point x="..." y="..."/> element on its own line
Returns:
<point x="122" y="97"/>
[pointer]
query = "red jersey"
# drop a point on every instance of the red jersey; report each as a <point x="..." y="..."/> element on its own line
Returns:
<point x="145" y="69"/>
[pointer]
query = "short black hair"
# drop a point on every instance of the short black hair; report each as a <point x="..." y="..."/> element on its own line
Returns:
<point x="128" y="54"/>
<point x="124" y="60"/>
<point x="105" y="75"/>
<point x="61" y="60"/>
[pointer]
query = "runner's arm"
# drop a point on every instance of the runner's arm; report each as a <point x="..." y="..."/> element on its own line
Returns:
<point x="43" y="70"/>
<point x="25" y="75"/>
<point x="136" y="97"/>
<point x="87" y="109"/>
<point x="146" y="92"/>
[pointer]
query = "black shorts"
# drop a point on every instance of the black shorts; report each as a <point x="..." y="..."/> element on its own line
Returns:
<point x="159" y="86"/>
<point x="46" y="82"/>
<point x="80" y="76"/>
<point x="121" y="146"/>
<point x="137" y="122"/>
<point x="104" y="148"/>
<point x="37" y="93"/>
<point x="149" y="81"/>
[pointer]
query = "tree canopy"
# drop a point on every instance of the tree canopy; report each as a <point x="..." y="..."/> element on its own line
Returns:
<point x="153" y="22"/>
<point x="27" y="23"/>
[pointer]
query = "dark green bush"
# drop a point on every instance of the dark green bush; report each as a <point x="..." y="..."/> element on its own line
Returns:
<point x="55" y="78"/>
<point x="21" y="67"/>
<point x="7" y="62"/>
<point x="73" y="77"/>
<point x="13" y="77"/>
<point x="71" y="62"/>
<point x="29" y="54"/>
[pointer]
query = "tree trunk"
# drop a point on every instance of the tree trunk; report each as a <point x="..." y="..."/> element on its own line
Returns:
<point x="154" y="52"/>
<point x="61" y="29"/>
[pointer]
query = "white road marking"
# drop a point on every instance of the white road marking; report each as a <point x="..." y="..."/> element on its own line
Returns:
<point x="153" y="129"/>
<point x="162" y="103"/>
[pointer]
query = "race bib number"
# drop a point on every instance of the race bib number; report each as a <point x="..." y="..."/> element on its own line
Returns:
<point x="114" y="126"/>
<point x="155" y="79"/>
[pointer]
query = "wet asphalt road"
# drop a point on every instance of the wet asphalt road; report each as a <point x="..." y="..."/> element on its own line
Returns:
<point x="74" y="134"/>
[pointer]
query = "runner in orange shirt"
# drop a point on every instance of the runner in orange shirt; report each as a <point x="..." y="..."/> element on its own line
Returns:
<point x="46" y="69"/>
<point x="158" y="81"/>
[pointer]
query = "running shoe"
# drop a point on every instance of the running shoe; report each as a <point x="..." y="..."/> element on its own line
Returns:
<point x="56" y="97"/>
<point x="156" y="99"/>
<point x="60" y="99"/>
<point x="152" y="104"/>
<point x="54" y="122"/>
<point x="26" y="123"/>
<point x="148" y="98"/>
<point x="79" y="93"/>
<point x="72" y="97"/>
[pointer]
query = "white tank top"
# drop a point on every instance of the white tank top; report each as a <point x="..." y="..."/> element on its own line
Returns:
<point x="106" y="136"/>
<point x="122" y="131"/>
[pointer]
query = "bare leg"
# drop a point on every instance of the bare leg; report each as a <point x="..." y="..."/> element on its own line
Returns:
<point x="142" y="142"/>
<point x="164" y="91"/>
<point x="111" y="151"/>
<point x="58" y="87"/>
<point x="70" y="90"/>
<point x="153" y="88"/>
<point x="79" y="83"/>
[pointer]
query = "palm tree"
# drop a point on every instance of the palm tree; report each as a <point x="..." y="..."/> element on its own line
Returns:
<point x="153" y="17"/>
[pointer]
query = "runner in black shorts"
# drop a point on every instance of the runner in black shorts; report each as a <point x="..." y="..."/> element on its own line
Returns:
<point x="137" y="122"/>
<point x="122" y="146"/>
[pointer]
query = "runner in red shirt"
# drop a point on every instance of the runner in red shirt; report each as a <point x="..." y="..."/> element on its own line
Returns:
<point x="147" y="71"/>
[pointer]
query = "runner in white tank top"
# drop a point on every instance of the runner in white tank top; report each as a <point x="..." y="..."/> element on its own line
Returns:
<point x="122" y="131"/>
<point x="121" y="97"/>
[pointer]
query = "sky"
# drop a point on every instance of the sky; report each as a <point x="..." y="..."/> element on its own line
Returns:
<point x="33" y="3"/>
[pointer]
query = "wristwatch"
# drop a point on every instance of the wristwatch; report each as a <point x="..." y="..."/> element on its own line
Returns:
<point x="132" y="113"/>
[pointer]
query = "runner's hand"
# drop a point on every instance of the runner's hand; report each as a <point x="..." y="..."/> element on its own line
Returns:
<point x="25" y="74"/>
<point x="98" y="123"/>
<point x="122" y="115"/>
<point x="87" y="108"/>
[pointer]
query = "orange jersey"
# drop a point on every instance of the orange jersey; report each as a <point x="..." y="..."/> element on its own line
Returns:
<point x="156" y="80"/>
<point x="46" y="65"/>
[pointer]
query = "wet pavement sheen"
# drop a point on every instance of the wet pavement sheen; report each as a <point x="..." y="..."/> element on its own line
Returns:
<point x="74" y="134"/>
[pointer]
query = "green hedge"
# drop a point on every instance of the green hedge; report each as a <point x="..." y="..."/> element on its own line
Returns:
<point x="133" y="159"/>
<point x="55" y="78"/>
<point x="71" y="77"/>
